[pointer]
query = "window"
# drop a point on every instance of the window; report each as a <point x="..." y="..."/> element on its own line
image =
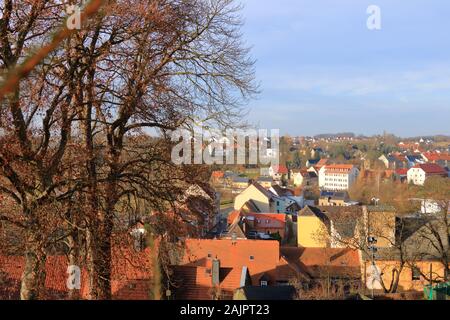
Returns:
<point x="415" y="274"/>
<point x="252" y="258"/>
<point x="263" y="283"/>
<point x="209" y="255"/>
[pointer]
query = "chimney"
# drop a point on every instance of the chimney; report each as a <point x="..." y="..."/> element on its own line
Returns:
<point x="215" y="272"/>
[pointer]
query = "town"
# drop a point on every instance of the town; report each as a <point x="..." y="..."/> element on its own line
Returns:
<point x="196" y="155"/>
<point x="341" y="218"/>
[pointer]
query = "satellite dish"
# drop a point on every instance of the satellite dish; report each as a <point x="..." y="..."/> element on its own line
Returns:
<point x="373" y="278"/>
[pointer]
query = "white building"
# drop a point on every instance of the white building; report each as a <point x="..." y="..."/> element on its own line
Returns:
<point x="337" y="176"/>
<point x="418" y="174"/>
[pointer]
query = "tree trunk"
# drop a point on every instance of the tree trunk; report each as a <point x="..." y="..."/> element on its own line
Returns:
<point x="33" y="277"/>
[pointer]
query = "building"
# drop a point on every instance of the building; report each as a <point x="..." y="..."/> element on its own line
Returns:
<point x="239" y="183"/>
<point x="335" y="198"/>
<point x="278" y="171"/>
<point x="287" y="202"/>
<point x="419" y="244"/>
<point x="254" y="225"/>
<point x="304" y="178"/>
<point x="439" y="158"/>
<point x="261" y="199"/>
<point x="419" y="173"/>
<point x="327" y="227"/>
<point x="337" y="176"/>
<point x="217" y="268"/>
<point x="266" y="182"/>
<point x="321" y="268"/>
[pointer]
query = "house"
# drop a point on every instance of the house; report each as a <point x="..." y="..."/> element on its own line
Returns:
<point x="419" y="173"/>
<point x="439" y="158"/>
<point x="413" y="160"/>
<point x="321" y="163"/>
<point x="261" y="293"/>
<point x="240" y="183"/>
<point x="327" y="227"/>
<point x="264" y="224"/>
<point x="304" y="178"/>
<point x="266" y="182"/>
<point x="312" y="162"/>
<point x="401" y="175"/>
<point x="394" y="161"/>
<point x="315" y="267"/>
<point x="261" y="198"/>
<point x="287" y="201"/>
<point x="335" y="198"/>
<point x="420" y="256"/>
<point x="380" y="223"/>
<point x="316" y="152"/>
<point x="278" y="171"/>
<point x="337" y="176"/>
<point x="217" y="176"/>
<point x="212" y="269"/>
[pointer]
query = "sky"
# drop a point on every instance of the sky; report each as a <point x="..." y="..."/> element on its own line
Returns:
<point x="321" y="70"/>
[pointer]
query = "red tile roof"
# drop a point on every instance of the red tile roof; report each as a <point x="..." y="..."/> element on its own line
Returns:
<point x="217" y="174"/>
<point x="267" y="220"/>
<point x="131" y="274"/>
<point x="280" y="169"/>
<point x="431" y="168"/>
<point x="233" y="216"/>
<point x="401" y="172"/>
<point x="322" y="162"/>
<point x="434" y="156"/>
<point x="235" y="255"/>
<point x="317" y="262"/>
<point x="338" y="168"/>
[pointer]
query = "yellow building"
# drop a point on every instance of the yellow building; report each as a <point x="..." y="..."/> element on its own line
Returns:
<point x="259" y="196"/>
<point x="311" y="228"/>
<point x="325" y="227"/>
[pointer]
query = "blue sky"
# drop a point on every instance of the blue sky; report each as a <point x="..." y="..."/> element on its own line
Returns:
<point x="322" y="71"/>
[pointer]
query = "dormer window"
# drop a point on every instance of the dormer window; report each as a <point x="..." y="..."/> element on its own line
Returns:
<point x="263" y="283"/>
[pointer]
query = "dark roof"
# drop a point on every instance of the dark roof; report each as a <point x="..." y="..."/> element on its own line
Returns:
<point x="269" y="292"/>
<point x="263" y="190"/>
<point x="252" y="206"/>
<point x="265" y="179"/>
<point x="311" y="174"/>
<point x="313" y="161"/>
<point x="310" y="211"/>
<point x="338" y="195"/>
<point x="282" y="192"/>
<point x="240" y="179"/>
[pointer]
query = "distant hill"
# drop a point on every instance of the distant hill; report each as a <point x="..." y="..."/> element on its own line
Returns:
<point x="335" y="135"/>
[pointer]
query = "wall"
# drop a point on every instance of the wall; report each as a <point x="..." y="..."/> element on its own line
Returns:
<point x="309" y="232"/>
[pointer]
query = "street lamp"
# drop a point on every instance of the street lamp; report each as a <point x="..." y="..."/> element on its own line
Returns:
<point x="372" y="241"/>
